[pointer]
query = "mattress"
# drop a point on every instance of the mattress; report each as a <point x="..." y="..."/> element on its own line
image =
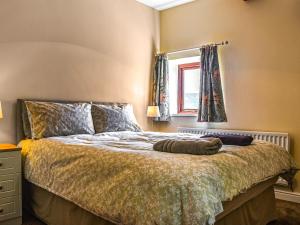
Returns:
<point x="118" y="177"/>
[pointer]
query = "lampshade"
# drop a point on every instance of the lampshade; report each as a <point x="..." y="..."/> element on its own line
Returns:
<point x="153" y="111"/>
<point x="1" y="114"/>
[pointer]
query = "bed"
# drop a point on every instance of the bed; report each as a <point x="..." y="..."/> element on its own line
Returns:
<point x="117" y="178"/>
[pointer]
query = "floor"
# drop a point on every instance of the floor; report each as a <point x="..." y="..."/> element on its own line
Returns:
<point x="288" y="214"/>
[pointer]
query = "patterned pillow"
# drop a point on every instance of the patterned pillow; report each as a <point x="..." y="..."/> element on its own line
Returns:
<point x="48" y="119"/>
<point x="114" y="117"/>
<point x="25" y="120"/>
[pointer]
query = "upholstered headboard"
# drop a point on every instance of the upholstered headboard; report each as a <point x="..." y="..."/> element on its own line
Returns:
<point x="20" y="134"/>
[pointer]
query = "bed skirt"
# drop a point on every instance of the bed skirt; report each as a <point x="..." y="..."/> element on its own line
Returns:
<point x="254" y="207"/>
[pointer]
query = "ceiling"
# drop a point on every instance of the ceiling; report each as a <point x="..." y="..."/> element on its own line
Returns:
<point x="164" y="4"/>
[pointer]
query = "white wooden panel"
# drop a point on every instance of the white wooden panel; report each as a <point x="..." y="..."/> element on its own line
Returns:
<point x="10" y="208"/>
<point x="9" y="185"/>
<point x="10" y="162"/>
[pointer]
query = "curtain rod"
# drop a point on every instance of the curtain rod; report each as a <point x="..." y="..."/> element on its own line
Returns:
<point x="195" y="48"/>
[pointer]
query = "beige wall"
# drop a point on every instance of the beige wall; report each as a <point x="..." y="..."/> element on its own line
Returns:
<point x="77" y="50"/>
<point x="54" y="49"/>
<point x="261" y="66"/>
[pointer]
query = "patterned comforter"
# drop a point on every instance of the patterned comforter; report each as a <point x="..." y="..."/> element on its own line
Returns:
<point x="119" y="177"/>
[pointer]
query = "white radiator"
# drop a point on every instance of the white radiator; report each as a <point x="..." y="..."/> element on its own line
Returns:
<point x="281" y="139"/>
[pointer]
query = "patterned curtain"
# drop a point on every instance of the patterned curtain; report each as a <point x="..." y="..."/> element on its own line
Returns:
<point x="211" y="103"/>
<point x="161" y="87"/>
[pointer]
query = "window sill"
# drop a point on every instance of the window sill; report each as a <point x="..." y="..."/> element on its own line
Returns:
<point x="184" y="115"/>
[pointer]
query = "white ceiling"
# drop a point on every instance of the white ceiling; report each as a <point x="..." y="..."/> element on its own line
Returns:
<point x="164" y="4"/>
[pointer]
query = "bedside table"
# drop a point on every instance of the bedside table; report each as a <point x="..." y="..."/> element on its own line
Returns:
<point x="10" y="185"/>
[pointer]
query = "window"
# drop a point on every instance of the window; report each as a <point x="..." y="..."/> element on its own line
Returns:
<point x="184" y="72"/>
<point x="188" y="87"/>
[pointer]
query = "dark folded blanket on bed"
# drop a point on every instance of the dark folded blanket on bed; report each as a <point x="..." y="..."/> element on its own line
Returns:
<point x="207" y="146"/>
<point x="231" y="139"/>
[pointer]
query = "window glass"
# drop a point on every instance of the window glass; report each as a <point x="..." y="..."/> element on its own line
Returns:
<point x="191" y="87"/>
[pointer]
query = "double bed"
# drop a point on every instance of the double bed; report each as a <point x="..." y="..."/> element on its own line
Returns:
<point x="117" y="178"/>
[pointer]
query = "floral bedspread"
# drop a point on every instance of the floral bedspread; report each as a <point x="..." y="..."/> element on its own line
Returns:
<point x="119" y="177"/>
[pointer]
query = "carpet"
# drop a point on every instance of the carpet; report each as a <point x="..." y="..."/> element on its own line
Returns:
<point x="288" y="213"/>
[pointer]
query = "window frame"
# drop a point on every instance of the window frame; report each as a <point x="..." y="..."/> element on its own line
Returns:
<point x="181" y="69"/>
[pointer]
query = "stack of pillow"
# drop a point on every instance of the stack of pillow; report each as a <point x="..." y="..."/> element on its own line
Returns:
<point x="48" y="119"/>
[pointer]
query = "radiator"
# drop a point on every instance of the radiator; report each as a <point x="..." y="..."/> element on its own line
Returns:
<point x="281" y="139"/>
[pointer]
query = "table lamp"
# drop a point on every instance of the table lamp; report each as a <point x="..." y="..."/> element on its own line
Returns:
<point x="153" y="112"/>
<point x="1" y="114"/>
<point x="5" y="146"/>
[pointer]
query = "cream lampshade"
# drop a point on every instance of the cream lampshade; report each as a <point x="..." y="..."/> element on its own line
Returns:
<point x="1" y="114"/>
<point x="153" y="111"/>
